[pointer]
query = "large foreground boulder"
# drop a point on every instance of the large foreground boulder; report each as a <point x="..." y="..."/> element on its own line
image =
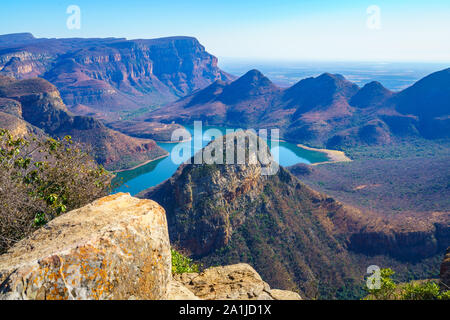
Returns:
<point x="115" y="248"/>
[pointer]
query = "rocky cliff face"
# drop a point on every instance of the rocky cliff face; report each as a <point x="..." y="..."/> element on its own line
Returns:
<point x="27" y="105"/>
<point x="110" y="75"/>
<point x="116" y="248"/>
<point x="231" y="213"/>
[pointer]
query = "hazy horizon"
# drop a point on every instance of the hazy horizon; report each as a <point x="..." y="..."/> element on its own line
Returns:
<point x="395" y="76"/>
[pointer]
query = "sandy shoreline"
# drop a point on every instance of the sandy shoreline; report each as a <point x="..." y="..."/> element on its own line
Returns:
<point x="333" y="155"/>
<point x="142" y="164"/>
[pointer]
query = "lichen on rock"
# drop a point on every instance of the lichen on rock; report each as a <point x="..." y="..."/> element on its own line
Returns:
<point x="115" y="248"/>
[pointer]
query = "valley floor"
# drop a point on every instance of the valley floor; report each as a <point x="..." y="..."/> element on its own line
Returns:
<point x="395" y="179"/>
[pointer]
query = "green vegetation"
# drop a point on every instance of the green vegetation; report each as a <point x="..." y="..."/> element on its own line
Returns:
<point x="271" y="227"/>
<point x="41" y="179"/>
<point x="389" y="290"/>
<point x="182" y="264"/>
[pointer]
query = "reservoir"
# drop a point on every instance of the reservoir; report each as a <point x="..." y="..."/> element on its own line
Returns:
<point x="155" y="172"/>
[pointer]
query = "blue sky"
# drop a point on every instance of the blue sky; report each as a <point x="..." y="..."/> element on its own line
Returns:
<point x="410" y="30"/>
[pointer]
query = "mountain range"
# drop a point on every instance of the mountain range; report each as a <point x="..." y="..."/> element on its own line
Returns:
<point x="323" y="111"/>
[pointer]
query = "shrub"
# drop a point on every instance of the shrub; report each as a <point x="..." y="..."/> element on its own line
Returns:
<point x="41" y="179"/>
<point x="421" y="291"/>
<point x="426" y="290"/>
<point x="182" y="264"/>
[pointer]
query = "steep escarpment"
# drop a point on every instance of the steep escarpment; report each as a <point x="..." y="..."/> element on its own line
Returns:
<point x="34" y="103"/>
<point x="239" y="103"/>
<point x="227" y="213"/>
<point x="112" y="74"/>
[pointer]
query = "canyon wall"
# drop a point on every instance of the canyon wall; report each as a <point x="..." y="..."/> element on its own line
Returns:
<point x="117" y="248"/>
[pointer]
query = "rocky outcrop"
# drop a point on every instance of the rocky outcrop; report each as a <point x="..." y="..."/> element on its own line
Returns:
<point x="115" y="248"/>
<point x="233" y="282"/>
<point x="11" y="119"/>
<point x="445" y="271"/>
<point x="11" y="107"/>
<point x="230" y="213"/>
<point x="16" y="126"/>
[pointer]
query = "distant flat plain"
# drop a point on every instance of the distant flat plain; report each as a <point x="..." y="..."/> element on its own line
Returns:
<point x="393" y="75"/>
